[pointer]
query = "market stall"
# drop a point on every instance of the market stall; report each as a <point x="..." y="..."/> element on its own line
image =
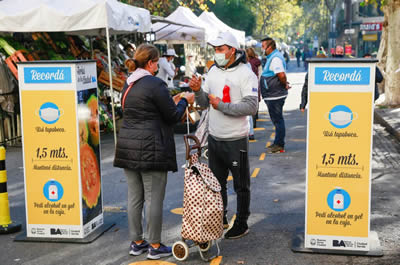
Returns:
<point x="190" y="29"/>
<point x="212" y="21"/>
<point x="78" y="17"/>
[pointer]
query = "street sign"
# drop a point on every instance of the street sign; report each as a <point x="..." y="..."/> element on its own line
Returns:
<point x="349" y="31"/>
<point x="61" y="149"/>
<point x="339" y="151"/>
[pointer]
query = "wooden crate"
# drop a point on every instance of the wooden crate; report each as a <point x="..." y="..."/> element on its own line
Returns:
<point x="13" y="59"/>
<point x="118" y="83"/>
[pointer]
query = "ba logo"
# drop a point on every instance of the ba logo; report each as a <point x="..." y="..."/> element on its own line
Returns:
<point x="55" y="231"/>
<point x="313" y="242"/>
<point x="339" y="243"/>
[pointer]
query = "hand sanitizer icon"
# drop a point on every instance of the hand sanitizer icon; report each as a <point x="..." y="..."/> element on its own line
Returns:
<point x="338" y="199"/>
<point x="53" y="192"/>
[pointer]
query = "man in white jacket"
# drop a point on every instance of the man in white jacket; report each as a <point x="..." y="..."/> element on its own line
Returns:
<point x="231" y="88"/>
<point x="166" y="68"/>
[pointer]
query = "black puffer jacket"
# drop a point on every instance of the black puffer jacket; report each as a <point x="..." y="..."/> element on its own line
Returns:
<point x="146" y="138"/>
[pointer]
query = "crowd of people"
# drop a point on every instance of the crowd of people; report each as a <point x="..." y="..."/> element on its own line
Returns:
<point x="235" y="84"/>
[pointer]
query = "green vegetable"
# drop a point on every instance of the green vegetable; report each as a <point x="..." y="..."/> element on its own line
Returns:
<point x="6" y="47"/>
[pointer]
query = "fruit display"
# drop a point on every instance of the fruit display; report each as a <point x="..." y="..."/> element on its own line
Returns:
<point x="93" y="123"/>
<point x="90" y="176"/>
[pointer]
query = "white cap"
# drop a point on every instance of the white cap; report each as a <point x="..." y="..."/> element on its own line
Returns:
<point x="171" y="52"/>
<point x="225" y="38"/>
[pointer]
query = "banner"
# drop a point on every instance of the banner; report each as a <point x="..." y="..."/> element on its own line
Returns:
<point x="339" y="145"/>
<point x="61" y="151"/>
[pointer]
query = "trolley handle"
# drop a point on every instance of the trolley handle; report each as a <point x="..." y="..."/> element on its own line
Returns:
<point x="189" y="147"/>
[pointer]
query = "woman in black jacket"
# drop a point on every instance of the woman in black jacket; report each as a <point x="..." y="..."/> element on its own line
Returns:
<point x="146" y="148"/>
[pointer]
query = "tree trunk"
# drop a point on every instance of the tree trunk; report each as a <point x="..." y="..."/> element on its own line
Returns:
<point x="382" y="53"/>
<point x="392" y="84"/>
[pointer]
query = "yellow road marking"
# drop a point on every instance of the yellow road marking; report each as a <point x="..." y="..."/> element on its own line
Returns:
<point x="262" y="120"/>
<point x="255" y="172"/>
<point x="268" y="144"/>
<point x="259" y="129"/>
<point x="252" y="141"/>
<point x="230" y="178"/>
<point x="216" y="261"/>
<point x="262" y="156"/>
<point x="272" y="136"/>
<point x="152" y="262"/>
<point x="177" y="211"/>
<point x="297" y="140"/>
<point x="114" y="209"/>
<point x="262" y="112"/>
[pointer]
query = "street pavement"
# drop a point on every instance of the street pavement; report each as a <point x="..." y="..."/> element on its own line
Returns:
<point x="277" y="203"/>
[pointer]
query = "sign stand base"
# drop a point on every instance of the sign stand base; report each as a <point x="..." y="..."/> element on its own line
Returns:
<point x="375" y="246"/>
<point x="89" y="239"/>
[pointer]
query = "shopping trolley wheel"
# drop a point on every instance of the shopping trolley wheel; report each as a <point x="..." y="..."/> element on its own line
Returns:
<point x="180" y="250"/>
<point x="204" y="247"/>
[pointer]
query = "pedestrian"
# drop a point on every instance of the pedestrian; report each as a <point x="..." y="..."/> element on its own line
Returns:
<point x="190" y="67"/>
<point x="378" y="77"/>
<point x="231" y="89"/>
<point x="274" y="90"/>
<point x="146" y="149"/>
<point x="306" y="54"/>
<point x="339" y="52"/>
<point x="167" y="69"/>
<point x="255" y="64"/>
<point x="298" y="56"/>
<point x="304" y="91"/>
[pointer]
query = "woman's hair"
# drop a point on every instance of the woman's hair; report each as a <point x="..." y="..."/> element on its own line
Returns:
<point x="251" y="53"/>
<point x="130" y="64"/>
<point x="143" y="54"/>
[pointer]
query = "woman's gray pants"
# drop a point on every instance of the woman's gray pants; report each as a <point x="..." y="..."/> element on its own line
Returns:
<point x="149" y="187"/>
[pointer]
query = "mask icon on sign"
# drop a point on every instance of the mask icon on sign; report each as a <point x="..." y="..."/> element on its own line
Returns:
<point x="341" y="116"/>
<point x="49" y="113"/>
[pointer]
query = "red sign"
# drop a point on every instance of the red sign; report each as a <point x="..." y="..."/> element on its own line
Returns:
<point x="347" y="49"/>
<point x="375" y="26"/>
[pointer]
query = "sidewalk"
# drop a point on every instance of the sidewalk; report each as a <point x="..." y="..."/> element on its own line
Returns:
<point x="389" y="118"/>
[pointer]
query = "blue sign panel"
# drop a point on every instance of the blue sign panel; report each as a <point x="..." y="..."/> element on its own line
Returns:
<point x="342" y="75"/>
<point x="47" y="75"/>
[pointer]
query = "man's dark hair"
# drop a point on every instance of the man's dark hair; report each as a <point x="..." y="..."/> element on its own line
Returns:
<point x="270" y="42"/>
<point x="367" y="55"/>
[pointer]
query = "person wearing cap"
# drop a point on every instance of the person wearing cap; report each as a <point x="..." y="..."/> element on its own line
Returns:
<point x="166" y="68"/>
<point x="274" y="90"/>
<point x="231" y="89"/>
<point x="190" y="67"/>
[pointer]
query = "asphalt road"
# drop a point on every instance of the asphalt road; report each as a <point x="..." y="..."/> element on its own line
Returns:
<point x="277" y="204"/>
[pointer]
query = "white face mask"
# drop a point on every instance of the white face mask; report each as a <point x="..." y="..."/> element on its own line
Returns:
<point x="341" y="117"/>
<point x="49" y="114"/>
<point x="220" y="59"/>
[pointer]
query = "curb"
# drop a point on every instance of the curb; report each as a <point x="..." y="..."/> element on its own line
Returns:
<point x="380" y="120"/>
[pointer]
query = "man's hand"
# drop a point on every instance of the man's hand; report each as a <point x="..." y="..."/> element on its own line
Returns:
<point x="288" y="86"/>
<point x="195" y="83"/>
<point x="214" y="101"/>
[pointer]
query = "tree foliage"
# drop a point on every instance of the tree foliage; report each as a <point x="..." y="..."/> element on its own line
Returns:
<point x="165" y="7"/>
<point x="236" y="14"/>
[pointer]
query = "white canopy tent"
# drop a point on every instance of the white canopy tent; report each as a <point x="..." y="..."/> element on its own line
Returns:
<point x="212" y="21"/>
<point x="80" y="17"/>
<point x="190" y="29"/>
